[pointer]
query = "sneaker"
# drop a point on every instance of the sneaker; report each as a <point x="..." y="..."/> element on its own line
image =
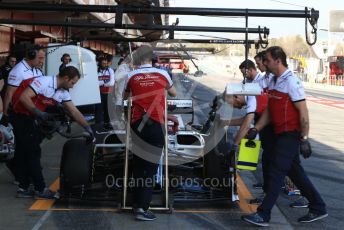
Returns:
<point x="299" y="203"/>
<point x="258" y="186"/>
<point x="24" y="193"/>
<point x="147" y="215"/>
<point x="45" y="194"/>
<point x="255" y="219"/>
<point x="257" y="200"/>
<point x="310" y="217"/>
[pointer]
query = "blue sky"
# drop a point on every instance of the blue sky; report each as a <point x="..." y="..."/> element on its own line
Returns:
<point x="278" y="26"/>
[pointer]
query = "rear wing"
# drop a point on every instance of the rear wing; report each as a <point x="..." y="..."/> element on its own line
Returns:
<point x="180" y="106"/>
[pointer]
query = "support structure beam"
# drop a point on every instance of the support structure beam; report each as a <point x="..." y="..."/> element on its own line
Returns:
<point x="205" y="41"/>
<point x="134" y="26"/>
<point x="163" y="10"/>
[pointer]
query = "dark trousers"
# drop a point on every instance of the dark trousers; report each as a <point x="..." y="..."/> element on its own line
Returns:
<point x="101" y="110"/>
<point x="286" y="162"/>
<point x="27" y="152"/>
<point x="267" y="138"/>
<point x="147" y="149"/>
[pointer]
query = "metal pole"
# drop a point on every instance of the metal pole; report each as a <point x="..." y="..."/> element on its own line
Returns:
<point x="210" y="41"/>
<point x="162" y="10"/>
<point x="131" y="52"/>
<point x="246" y="45"/>
<point x="126" y="162"/>
<point x="130" y="26"/>
<point x="166" y="157"/>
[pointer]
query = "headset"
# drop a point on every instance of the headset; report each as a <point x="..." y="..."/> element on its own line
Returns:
<point x="32" y="52"/>
<point x="66" y="55"/>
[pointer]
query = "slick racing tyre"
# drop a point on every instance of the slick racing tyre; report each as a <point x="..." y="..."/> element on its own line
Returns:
<point x="76" y="164"/>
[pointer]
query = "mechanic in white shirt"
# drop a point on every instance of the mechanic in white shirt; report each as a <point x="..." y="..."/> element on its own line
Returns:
<point x="29" y="104"/>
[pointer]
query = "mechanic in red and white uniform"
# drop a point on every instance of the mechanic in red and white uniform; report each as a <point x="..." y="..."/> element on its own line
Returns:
<point x="287" y="111"/>
<point x="29" y="103"/>
<point x="148" y="86"/>
<point x="252" y="75"/>
<point x="239" y="102"/>
<point x="106" y="79"/>
<point x="266" y="135"/>
<point x="26" y="69"/>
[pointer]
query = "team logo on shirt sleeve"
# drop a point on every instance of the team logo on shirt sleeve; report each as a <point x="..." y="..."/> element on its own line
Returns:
<point x="12" y="77"/>
<point x="37" y="84"/>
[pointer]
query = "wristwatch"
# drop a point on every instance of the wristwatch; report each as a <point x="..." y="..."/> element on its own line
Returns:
<point x="304" y="137"/>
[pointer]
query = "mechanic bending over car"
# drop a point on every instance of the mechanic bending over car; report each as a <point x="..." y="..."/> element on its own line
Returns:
<point x="147" y="86"/>
<point x="266" y="135"/>
<point x="240" y="101"/>
<point x="29" y="103"/>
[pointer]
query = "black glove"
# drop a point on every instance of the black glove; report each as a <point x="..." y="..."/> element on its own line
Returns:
<point x="42" y="116"/>
<point x="90" y="134"/>
<point x="252" y="133"/>
<point x="235" y="148"/>
<point x="305" y="149"/>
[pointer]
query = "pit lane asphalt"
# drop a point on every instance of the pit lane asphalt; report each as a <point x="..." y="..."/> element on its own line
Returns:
<point x="16" y="213"/>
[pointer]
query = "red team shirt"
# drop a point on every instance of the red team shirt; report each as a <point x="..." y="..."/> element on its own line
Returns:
<point x="262" y="100"/>
<point x="283" y="94"/>
<point x="148" y="86"/>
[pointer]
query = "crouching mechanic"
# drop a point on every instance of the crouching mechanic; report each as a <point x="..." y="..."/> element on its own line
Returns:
<point x="29" y="103"/>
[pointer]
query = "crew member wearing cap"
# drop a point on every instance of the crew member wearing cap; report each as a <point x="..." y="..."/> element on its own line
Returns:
<point x="29" y="103"/>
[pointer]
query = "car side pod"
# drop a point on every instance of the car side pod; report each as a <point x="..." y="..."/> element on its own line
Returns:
<point x="189" y="144"/>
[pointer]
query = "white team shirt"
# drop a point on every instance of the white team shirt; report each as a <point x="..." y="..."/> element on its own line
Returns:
<point x="109" y="72"/>
<point x="22" y="71"/>
<point x="290" y="84"/>
<point x="251" y="104"/>
<point x="47" y="86"/>
<point x="121" y="76"/>
<point x="263" y="80"/>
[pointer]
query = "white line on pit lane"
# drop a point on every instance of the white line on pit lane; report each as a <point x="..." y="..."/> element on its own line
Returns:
<point x="41" y="221"/>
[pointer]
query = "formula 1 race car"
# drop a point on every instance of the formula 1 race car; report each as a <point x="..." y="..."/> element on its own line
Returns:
<point x="200" y="167"/>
